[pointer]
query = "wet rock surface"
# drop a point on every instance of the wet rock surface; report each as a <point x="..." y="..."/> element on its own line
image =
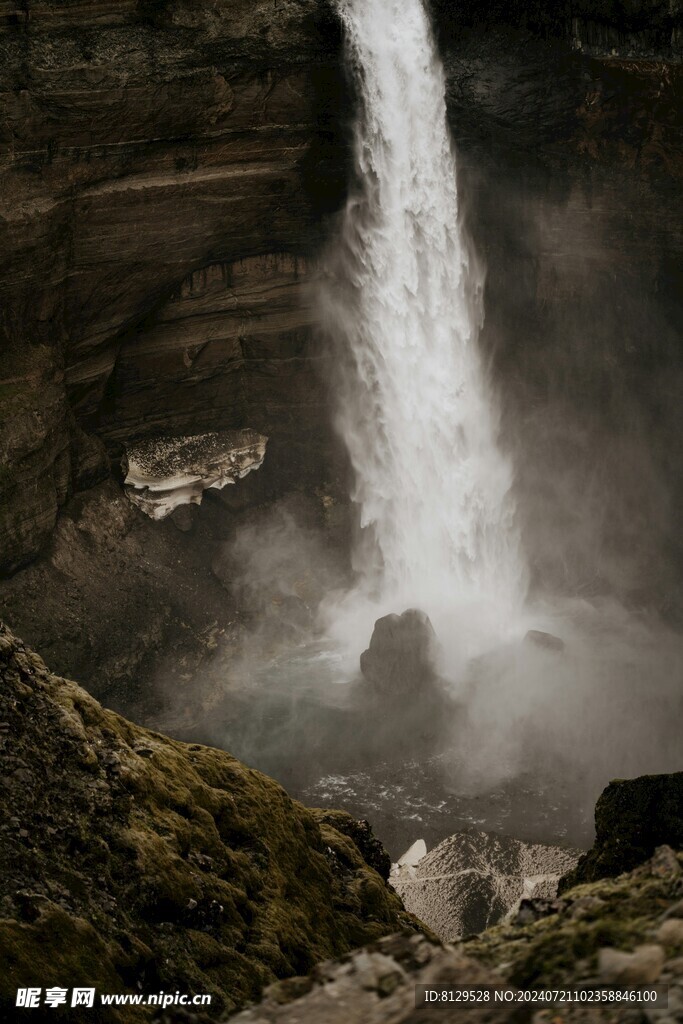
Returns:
<point x="473" y="880"/>
<point x="546" y="641"/>
<point x="571" y="166"/>
<point x="130" y="860"/>
<point x="401" y="659"/>
<point x="401" y="692"/>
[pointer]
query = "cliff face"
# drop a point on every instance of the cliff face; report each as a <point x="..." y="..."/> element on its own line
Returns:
<point x="130" y="860"/>
<point x="646" y="28"/>
<point x="234" y="344"/>
<point x="570" y="166"/>
<point x="165" y="172"/>
<point x="141" y="144"/>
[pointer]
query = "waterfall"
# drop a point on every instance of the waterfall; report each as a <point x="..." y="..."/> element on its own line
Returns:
<point x="402" y="299"/>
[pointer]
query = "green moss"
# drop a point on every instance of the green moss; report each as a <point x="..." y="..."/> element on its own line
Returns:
<point x="59" y="950"/>
<point x="620" y="913"/>
<point x="179" y="862"/>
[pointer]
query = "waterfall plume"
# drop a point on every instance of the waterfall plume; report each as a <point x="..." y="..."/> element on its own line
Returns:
<point x="402" y="300"/>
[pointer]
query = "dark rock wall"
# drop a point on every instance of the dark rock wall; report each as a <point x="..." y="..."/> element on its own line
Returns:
<point x="629" y="27"/>
<point x="235" y="344"/>
<point x="570" y="173"/>
<point x="140" y="143"/>
<point x="632" y="818"/>
<point x="166" y="171"/>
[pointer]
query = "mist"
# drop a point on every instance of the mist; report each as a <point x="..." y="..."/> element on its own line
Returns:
<point x="511" y="426"/>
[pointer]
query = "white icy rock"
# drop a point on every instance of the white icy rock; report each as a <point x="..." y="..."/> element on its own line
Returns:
<point x="408" y="862"/>
<point x="165" y="472"/>
<point x="413" y="856"/>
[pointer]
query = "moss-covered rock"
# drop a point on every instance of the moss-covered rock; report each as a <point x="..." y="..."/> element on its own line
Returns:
<point x="632" y="818"/>
<point x="360" y="833"/>
<point x="556" y="944"/>
<point x="571" y="943"/>
<point x="131" y="861"/>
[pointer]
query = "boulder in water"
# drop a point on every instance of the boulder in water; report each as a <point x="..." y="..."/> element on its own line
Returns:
<point x="403" y="709"/>
<point x="545" y="640"/>
<point x="402" y="654"/>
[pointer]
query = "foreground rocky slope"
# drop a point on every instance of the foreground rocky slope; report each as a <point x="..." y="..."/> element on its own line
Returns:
<point x="376" y="985"/>
<point x="130" y="861"/>
<point x="627" y="931"/>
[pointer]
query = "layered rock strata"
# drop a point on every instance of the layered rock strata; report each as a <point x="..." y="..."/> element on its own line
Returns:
<point x="142" y="143"/>
<point x="641" y="28"/>
<point x="233" y="345"/>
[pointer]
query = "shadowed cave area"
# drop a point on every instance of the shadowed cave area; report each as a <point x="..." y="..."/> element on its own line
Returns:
<point x="164" y="266"/>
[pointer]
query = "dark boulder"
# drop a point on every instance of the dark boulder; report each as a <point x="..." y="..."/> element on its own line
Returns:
<point x="632" y="818"/>
<point x="545" y="640"/>
<point x="402" y="654"/>
<point x="403" y="708"/>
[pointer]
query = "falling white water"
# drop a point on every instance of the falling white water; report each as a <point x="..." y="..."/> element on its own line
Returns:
<point x="402" y="296"/>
